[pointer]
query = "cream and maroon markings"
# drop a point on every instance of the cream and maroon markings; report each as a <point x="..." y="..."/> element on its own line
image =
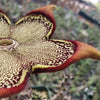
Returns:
<point x="10" y="70"/>
<point x="32" y="27"/>
<point x="51" y="53"/>
<point x="65" y="50"/>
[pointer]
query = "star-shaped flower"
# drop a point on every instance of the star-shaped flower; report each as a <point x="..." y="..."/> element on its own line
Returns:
<point x="26" y="48"/>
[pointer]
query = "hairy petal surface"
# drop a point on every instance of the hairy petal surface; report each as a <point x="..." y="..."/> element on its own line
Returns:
<point x="32" y="27"/>
<point x="12" y="74"/>
<point x="51" y="53"/>
<point x="4" y="25"/>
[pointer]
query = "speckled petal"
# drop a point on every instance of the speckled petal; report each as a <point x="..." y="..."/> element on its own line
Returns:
<point x="44" y="53"/>
<point x="13" y="76"/>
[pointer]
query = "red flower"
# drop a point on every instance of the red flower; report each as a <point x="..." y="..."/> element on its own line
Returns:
<point x="26" y="48"/>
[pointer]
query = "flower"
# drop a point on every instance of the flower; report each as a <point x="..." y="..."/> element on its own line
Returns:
<point x="26" y="48"/>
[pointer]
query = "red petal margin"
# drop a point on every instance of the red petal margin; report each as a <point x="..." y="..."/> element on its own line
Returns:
<point x="7" y="92"/>
<point x="4" y="14"/>
<point x="82" y="51"/>
<point x="48" y="12"/>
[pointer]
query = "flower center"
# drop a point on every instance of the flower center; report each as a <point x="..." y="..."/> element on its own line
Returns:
<point x="7" y="44"/>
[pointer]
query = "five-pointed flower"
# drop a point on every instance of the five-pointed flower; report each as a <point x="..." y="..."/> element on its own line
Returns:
<point x="26" y="48"/>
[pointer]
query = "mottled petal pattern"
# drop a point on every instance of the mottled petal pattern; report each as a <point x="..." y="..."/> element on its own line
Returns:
<point x="10" y="70"/>
<point x="49" y="53"/>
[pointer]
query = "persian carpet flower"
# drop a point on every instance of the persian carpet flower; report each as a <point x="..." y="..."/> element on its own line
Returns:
<point x="26" y="48"/>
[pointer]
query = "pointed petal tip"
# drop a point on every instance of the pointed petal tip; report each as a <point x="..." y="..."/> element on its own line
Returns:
<point x="86" y="51"/>
<point x="48" y="10"/>
<point x="51" y="7"/>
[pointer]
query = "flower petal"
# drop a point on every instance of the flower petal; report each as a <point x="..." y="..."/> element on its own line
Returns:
<point x="13" y="76"/>
<point x="36" y="25"/>
<point x="48" y="53"/>
<point x="4" y="25"/>
<point x="55" y="55"/>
